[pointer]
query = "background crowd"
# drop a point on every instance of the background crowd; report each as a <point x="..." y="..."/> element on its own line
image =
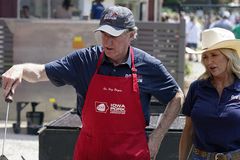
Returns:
<point x="198" y="21"/>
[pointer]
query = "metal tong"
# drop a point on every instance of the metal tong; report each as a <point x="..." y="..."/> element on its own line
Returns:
<point x="9" y="100"/>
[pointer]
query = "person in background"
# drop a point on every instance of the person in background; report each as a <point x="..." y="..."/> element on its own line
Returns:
<point x="97" y="9"/>
<point x="212" y="104"/>
<point x="25" y="12"/>
<point x="236" y="28"/>
<point x="114" y="84"/>
<point x="193" y="30"/>
<point x="223" y="22"/>
<point x="236" y="31"/>
<point x="64" y="11"/>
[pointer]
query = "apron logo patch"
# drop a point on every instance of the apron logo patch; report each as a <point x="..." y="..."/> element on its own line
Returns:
<point x="101" y="107"/>
<point x="117" y="109"/>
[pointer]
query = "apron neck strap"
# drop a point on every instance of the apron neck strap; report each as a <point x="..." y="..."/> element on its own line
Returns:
<point x="134" y="71"/>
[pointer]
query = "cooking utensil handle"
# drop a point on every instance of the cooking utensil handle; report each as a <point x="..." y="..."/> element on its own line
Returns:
<point x="9" y="97"/>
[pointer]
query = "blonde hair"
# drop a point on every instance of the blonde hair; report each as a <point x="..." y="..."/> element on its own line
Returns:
<point x="233" y="63"/>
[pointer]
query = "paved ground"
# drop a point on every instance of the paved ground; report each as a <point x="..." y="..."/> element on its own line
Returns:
<point x="17" y="145"/>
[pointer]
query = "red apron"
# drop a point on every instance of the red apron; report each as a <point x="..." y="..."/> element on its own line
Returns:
<point x="113" y="120"/>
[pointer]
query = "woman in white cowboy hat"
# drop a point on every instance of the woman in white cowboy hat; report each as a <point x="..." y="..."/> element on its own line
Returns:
<point x="212" y="105"/>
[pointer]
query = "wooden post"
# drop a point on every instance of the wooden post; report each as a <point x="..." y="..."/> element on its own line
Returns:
<point x="151" y="10"/>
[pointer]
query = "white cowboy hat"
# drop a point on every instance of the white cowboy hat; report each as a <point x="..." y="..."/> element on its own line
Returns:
<point x="216" y="38"/>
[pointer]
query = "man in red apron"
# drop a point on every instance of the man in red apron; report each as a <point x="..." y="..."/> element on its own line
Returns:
<point x="113" y="121"/>
<point x="115" y="81"/>
<point x="112" y="116"/>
